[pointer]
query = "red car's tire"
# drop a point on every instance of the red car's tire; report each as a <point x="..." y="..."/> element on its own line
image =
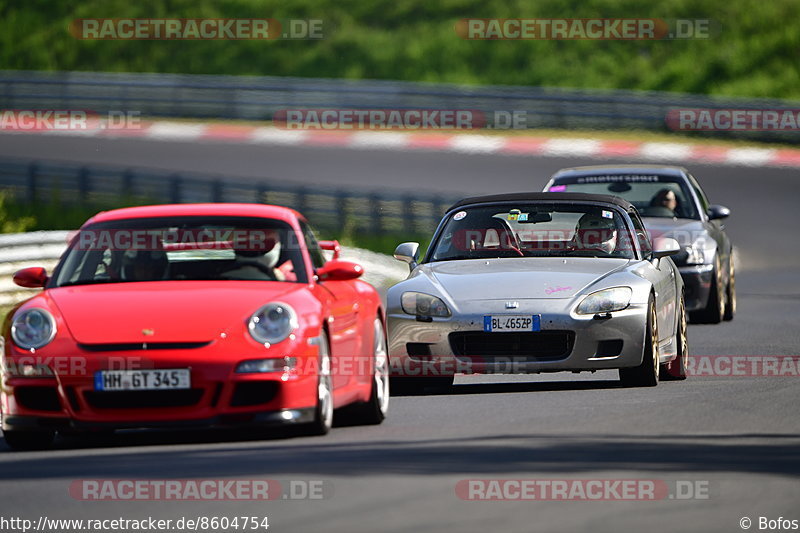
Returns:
<point x="374" y="410"/>
<point x="323" y="413"/>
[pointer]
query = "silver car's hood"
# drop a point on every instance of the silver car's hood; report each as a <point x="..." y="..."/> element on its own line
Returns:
<point x="683" y="230"/>
<point x="517" y="278"/>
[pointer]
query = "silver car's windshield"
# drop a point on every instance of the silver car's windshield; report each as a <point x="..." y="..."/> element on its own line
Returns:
<point x="653" y="195"/>
<point x="533" y="230"/>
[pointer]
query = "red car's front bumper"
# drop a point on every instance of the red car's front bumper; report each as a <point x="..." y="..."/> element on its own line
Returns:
<point x="217" y="394"/>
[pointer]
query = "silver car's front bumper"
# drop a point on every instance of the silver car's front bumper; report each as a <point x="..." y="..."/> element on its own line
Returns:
<point x="419" y="348"/>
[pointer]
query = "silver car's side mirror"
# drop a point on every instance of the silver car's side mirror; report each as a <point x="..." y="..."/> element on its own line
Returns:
<point x="407" y="252"/>
<point x="665" y="246"/>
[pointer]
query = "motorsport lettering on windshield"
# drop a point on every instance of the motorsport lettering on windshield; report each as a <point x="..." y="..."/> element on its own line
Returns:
<point x="627" y="177"/>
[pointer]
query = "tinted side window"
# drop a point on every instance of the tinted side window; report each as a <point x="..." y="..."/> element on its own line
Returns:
<point x="700" y="194"/>
<point x="641" y="234"/>
<point x="317" y="257"/>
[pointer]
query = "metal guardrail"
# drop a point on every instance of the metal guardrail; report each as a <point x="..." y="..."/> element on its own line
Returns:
<point x="370" y="212"/>
<point x="20" y="250"/>
<point x="258" y="98"/>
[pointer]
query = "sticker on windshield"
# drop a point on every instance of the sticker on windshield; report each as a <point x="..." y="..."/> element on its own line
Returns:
<point x="459" y="215"/>
<point x="558" y="188"/>
<point x="607" y="214"/>
<point x="514" y="214"/>
<point x="523" y="217"/>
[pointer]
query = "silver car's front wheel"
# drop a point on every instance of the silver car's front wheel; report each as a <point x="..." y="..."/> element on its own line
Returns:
<point x="647" y="373"/>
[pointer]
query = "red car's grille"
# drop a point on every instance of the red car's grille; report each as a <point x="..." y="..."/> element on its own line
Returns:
<point x="38" y="398"/>
<point x="254" y="393"/>
<point x="143" y="399"/>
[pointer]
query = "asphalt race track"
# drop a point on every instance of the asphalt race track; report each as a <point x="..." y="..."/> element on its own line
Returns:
<point x="737" y="437"/>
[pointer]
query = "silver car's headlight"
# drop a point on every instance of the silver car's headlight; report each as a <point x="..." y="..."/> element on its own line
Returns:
<point x="33" y="328"/>
<point x="272" y="323"/>
<point x="606" y="301"/>
<point x="421" y="304"/>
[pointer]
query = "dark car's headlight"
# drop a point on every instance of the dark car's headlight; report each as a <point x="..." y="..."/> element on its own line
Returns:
<point x="696" y="254"/>
<point x="605" y="301"/>
<point x="33" y="328"/>
<point x="421" y="304"/>
<point x="272" y="323"/>
<point x="701" y="251"/>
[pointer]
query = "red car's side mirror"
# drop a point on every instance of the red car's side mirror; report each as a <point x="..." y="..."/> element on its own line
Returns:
<point x="333" y="246"/>
<point x="31" y="277"/>
<point x="335" y="270"/>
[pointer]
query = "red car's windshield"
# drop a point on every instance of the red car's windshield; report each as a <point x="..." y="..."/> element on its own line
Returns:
<point x="183" y="248"/>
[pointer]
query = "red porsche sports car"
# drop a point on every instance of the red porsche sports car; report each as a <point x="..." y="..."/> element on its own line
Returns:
<point x="207" y="314"/>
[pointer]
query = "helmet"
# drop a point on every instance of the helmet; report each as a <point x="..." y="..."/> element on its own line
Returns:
<point x="266" y="250"/>
<point x="595" y="232"/>
<point x="144" y="265"/>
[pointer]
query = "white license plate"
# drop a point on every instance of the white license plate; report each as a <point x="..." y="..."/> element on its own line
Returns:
<point x="158" y="379"/>
<point x="494" y="323"/>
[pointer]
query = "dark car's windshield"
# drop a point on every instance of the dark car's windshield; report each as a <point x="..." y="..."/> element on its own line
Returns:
<point x="182" y="248"/>
<point x="533" y="230"/>
<point x="653" y="195"/>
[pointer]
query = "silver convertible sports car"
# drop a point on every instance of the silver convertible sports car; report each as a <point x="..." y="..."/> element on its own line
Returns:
<point x="538" y="282"/>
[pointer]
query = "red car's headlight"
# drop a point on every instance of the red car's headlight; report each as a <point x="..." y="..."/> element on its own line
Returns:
<point x="33" y="328"/>
<point x="272" y="323"/>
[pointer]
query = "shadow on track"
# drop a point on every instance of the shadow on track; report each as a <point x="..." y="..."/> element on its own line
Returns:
<point x="513" y="454"/>
<point x="516" y="387"/>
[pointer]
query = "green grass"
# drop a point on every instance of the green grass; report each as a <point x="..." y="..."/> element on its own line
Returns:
<point x="753" y="49"/>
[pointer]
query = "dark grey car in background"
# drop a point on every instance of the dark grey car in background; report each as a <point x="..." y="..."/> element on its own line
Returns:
<point x="672" y="204"/>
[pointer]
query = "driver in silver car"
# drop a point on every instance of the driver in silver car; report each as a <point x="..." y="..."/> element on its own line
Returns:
<point x="594" y="232"/>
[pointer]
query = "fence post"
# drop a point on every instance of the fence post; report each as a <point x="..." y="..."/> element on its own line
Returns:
<point x="127" y="184"/>
<point x="301" y="193"/>
<point x="375" y="211"/>
<point x="175" y="189"/>
<point x="408" y="215"/>
<point x="341" y="208"/>
<point x="261" y="194"/>
<point x="33" y="172"/>
<point x="83" y="184"/>
<point x="439" y="209"/>
<point x="217" y="193"/>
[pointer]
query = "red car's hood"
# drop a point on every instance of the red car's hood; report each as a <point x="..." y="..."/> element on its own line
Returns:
<point x="186" y="311"/>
